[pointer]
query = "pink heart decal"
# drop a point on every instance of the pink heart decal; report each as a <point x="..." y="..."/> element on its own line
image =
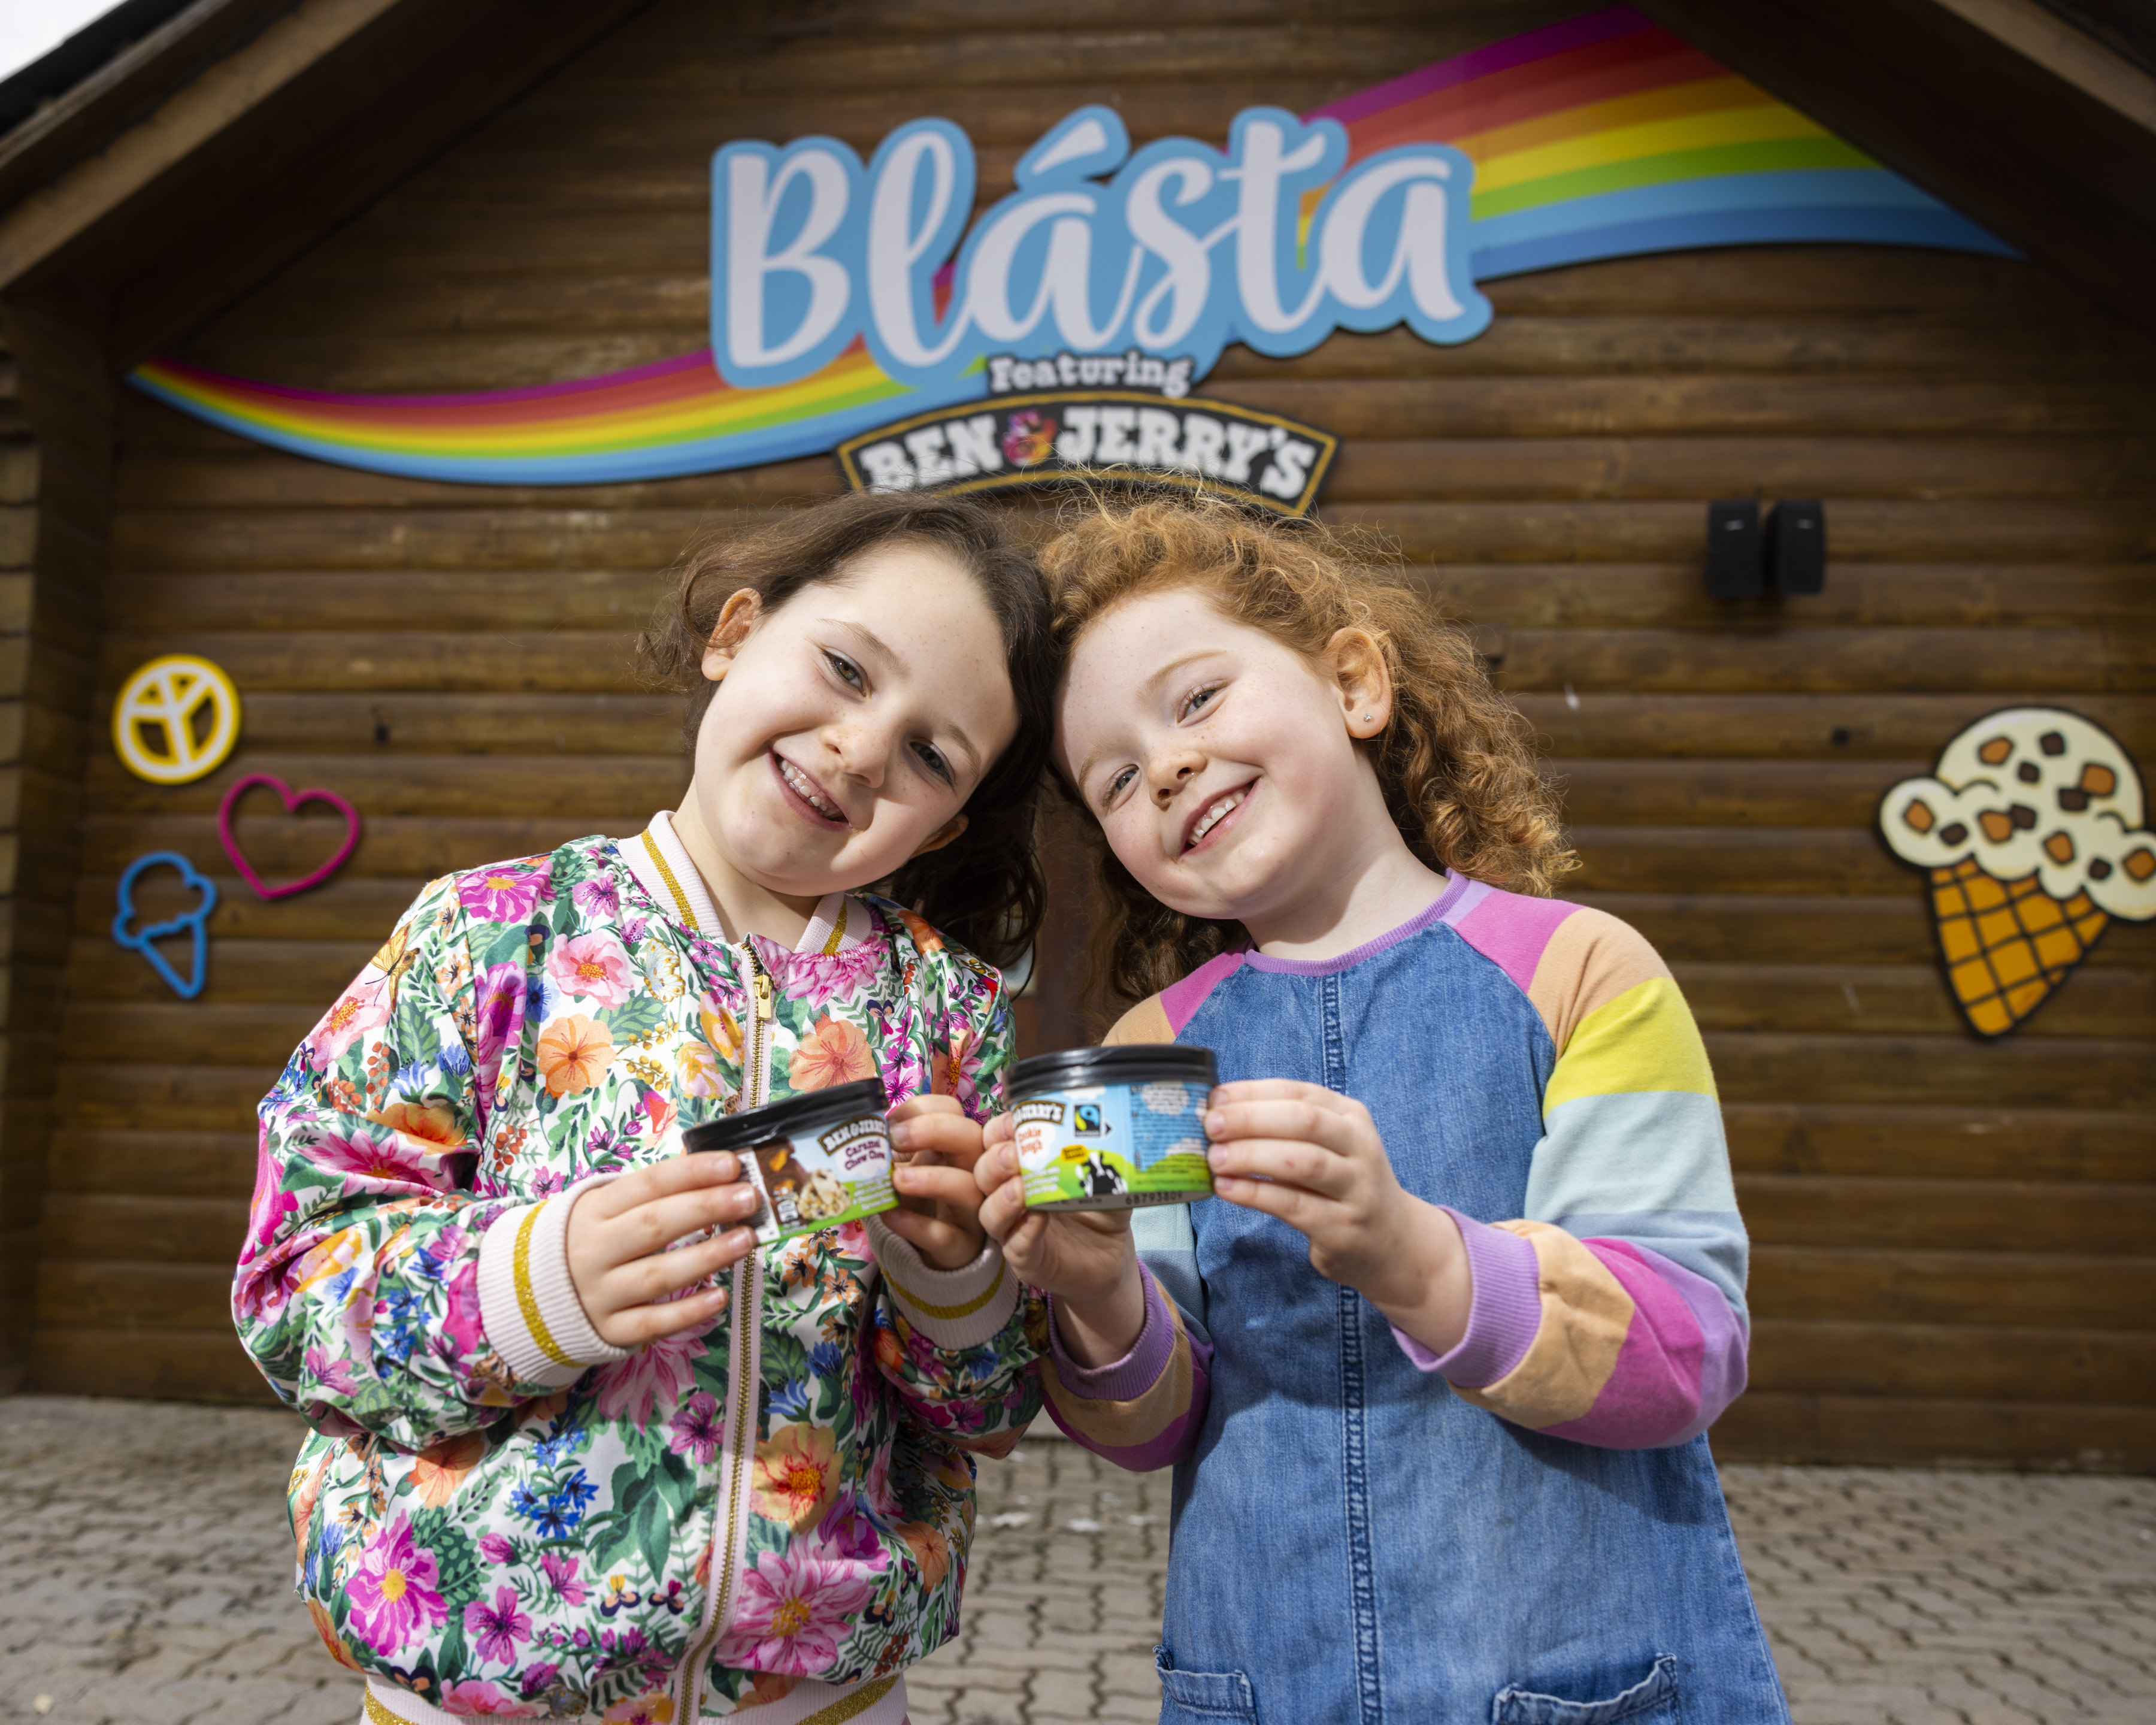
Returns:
<point x="293" y="800"/>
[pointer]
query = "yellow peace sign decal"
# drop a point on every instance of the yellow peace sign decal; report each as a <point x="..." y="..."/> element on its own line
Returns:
<point x="176" y="718"/>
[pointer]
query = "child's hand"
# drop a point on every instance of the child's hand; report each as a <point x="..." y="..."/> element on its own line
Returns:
<point x="1082" y="1257"/>
<point x="939" y="1213"/>
<point x="617" y="1242"/>
<point x="1313" y="1158"/>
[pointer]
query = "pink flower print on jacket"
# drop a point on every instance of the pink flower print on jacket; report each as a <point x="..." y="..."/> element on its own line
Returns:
<point x="698" y="1429"/>
<point x="394" y="1601"/>
<point x="794" y="1610"/>
<point x="562" y="1576"/>
<point x="366" y="1007"/>
<point x="371" y="1164"/>
<point x="650" y="1381"/>
<point x="593" y="967"/>
<point x="819" y="979"/>
<point x="506" y="892"/>
<point x="597" y="898"/>
<point x="477" y="1697"/>
<point x="495" y="1629"/>
<point x="500" y="995"/>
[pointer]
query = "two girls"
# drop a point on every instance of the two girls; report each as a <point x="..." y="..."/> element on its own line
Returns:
<point x="557" y="1469"/>
<point x="1436" y="1367"/>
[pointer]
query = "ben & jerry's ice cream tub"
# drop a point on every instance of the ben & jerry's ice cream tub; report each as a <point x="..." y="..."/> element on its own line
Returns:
<point x="816" y="1160"/>
<point x="1113" y="1128"/>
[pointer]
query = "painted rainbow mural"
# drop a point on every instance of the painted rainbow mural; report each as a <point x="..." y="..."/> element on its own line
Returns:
<point x="1604" y="136"/>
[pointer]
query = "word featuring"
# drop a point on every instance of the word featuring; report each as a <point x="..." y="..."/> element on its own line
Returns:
<point x="192" y="922"/>
<point x="1133" y="371"/>
<point x="1106" y="434"/>
<point x="293" y="802"/>
<point x="1185" y="249"/>
<point x="176" y="718"/>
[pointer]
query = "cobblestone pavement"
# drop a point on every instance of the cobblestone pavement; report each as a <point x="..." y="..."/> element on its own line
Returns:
<point x="144" y="1578"/>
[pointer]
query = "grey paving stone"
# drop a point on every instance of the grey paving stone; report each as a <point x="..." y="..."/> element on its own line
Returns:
<point x="145" y="1576"/>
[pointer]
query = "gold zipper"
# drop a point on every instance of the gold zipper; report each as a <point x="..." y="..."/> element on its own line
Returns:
<point x="726" y="1531"/>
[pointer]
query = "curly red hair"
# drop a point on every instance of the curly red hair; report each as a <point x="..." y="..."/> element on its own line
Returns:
<point x="1456" y="760"/>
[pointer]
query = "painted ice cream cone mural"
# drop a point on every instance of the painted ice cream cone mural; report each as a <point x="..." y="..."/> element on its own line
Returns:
<point x="2032" y="829"/>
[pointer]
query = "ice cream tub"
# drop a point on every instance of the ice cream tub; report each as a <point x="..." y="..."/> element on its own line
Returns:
<point x="817" y="1160"/>
<point x="1113" y="1128"/>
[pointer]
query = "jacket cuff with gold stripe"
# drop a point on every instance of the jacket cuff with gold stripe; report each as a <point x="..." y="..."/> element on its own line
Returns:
<point x="526" y="1300"/>
<point x="955" y="1309"/>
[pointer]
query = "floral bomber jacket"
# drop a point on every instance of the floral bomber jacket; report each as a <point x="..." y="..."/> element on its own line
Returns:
<point x="496" y="1511"/>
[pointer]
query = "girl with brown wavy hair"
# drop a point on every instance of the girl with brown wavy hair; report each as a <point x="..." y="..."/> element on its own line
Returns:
<point x="1435" y="1363"/>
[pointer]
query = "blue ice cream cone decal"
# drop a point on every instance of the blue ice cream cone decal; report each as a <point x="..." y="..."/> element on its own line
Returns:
<point x="194" y="922"/>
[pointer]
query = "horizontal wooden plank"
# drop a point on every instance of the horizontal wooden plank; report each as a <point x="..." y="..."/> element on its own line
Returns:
<point x="1368" y="469"/>
<point x="240" y="971"/>
<point x="184" y="1365"/>
<point x="390" y="846"/>
<point x="577" y="599"/>
<point x="1755" y="654"/>
<point x="353" y="908"/>
<point x="1902" y="1001"/>
<point x="2035" y="1072"/>
<point x="517" y="723"/>
<point x="1936" y="1431"/>
<point x="1958" y="1360"/>
<point x="161" y="1164"/>
<point x="1766" y="928"/>
<point x="133" y="1296"/>
<point x="1723" y="794"/>
<point x="490" y="536"/>
<point x="2082" y="1218"/>
<point x="1761" y="727"/>
<point x="1900" y="1141"/>
<point x="1692" y="407"/>
<point x="392" y="784"/>
<point x="380" y="661"/>
<point x="2001" y="1288"/>
<point x="130" y="1094"/>
<point x="2079" y="530"/>
<point x="171" y="1031"/>
<point x="105" y="1226"/>
<point x="1813" y="861"/>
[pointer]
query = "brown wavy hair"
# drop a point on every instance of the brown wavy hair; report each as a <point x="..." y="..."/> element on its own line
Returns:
<point x="984" y="889"/>
<point x="1455" y="760"/>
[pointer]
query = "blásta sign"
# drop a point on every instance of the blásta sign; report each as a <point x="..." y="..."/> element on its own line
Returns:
<point x="846" y="296"/>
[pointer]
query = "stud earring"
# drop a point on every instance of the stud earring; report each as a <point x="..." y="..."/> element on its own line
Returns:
<point x="1367" y="718"/>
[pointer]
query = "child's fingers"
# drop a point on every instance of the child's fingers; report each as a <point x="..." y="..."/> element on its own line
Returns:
<point x="659" y="1179"/>
<point x="953" y="1186"/>
<point x="640" y="1282"/>
<point x="1303" y="1210"/>
<point x="652" y="1227"/>
<point x="998" y="1164"/>
<point x="1289" y="1161"/>
<point x="1276" y="1090"/>
<point x="1004" y="1215"/>
<point x="952" y="1134"/>
<point x="1001" y="1130"/>
<point x="917" y="1108"/>
<point x="640" y="1324"/>
<point x="1287" y="1118"/>
<point x="944" y="1244"/>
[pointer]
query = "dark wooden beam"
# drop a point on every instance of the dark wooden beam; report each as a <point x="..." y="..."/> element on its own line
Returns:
<point x="2033" y="151"/>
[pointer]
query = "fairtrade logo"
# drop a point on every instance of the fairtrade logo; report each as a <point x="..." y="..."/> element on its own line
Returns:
<point x="176" y="718"/>
<point x="293" y="802"/>
<point x="144" y="940"/>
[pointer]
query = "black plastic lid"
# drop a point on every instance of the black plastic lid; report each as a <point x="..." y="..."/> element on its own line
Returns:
<point x="796" y="1115"/>
<point x="1128" y="1063"/>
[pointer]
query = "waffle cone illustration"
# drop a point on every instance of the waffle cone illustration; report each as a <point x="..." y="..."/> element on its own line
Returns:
<point x="2030" y="829"/>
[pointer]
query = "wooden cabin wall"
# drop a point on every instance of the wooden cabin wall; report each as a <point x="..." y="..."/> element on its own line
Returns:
<point x="56" y="435"/>
<point x="1952" y="1239"/>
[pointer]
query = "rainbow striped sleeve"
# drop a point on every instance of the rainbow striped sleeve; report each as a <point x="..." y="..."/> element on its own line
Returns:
<point x="1613" y="1312"/>
<point x="1143" y="1410"/>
